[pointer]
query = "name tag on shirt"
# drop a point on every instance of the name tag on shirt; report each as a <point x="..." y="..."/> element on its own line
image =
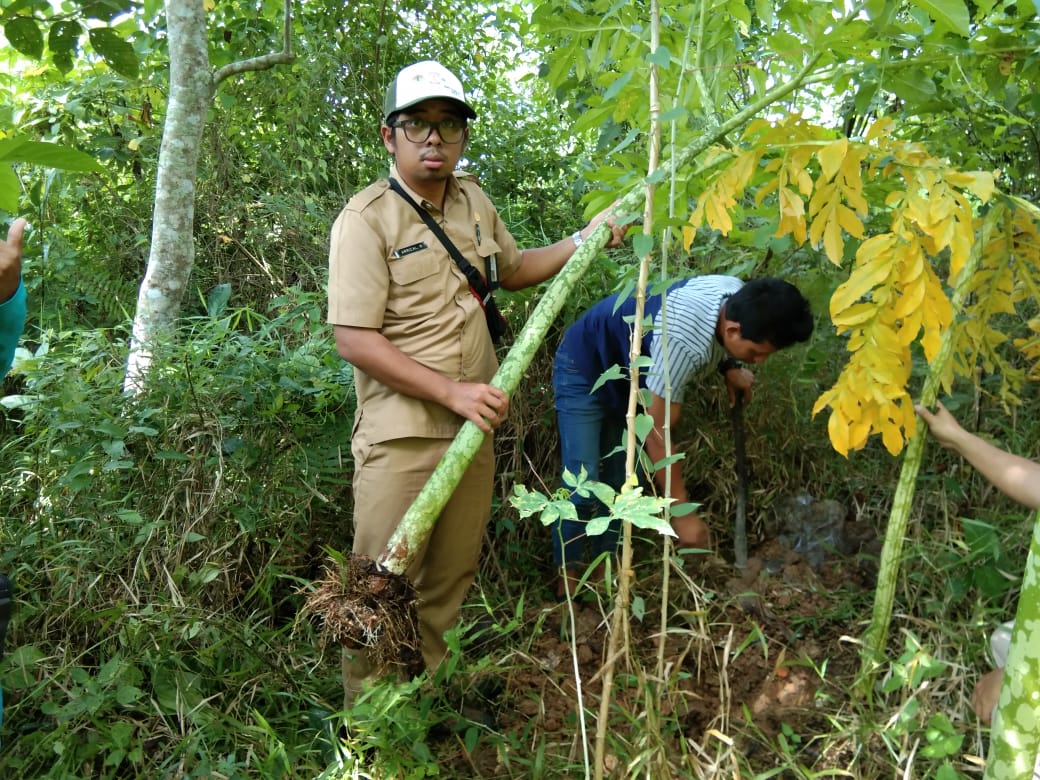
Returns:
<point x="408" y="250"/>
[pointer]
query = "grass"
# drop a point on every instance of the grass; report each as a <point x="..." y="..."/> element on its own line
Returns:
<point x="161" y="554"/>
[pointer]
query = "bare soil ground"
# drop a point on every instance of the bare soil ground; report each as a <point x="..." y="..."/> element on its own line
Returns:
<point x="748" y="660"/>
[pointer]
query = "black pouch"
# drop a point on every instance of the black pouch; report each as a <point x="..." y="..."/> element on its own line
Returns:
<point x="497" y="325"/>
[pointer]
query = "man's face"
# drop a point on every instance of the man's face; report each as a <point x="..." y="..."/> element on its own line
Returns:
<point x="430" y="160"/>
<point x="744" y="350"/>
<point x="753" y="351"/>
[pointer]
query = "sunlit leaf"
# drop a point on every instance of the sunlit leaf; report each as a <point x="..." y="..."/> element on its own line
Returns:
<point x="862" y="280"/>
<point x="119" y="54"/>
<point x="949" y="14"/>
<point x="831" y="157"/>
<point x="9" y="189"/>
<point x="838" y="431"/>
<point x="50" y="155"/>
<point x="892" y="437"/>
<point x="23" y="33"/>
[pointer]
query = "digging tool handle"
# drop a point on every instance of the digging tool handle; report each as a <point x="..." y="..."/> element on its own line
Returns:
<point x="740" y="526"/>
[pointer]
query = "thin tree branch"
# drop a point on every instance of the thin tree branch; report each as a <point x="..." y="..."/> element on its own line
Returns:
<point x="265" y="61"/>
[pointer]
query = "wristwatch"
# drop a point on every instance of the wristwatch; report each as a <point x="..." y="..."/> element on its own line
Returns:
<point x="577" y="239"/>
<point x="728" y="364"/>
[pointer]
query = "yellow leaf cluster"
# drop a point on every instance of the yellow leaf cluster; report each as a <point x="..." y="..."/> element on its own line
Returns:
<point x="840" y="183"/>
<point x="886" y="409"/>
<point x="1024" y="251"/>
<point x="719" y="199"/>
<point x="891" y="295"/>
<point x="894" y="297"/>
<point x="1006" y="280"/>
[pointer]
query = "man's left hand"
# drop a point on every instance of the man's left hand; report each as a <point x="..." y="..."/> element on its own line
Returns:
<point x="617" y="232"/>
<point x="739" y="380"/>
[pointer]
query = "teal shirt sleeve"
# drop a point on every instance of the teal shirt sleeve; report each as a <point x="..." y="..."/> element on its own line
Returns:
<point x="12" y="320"/>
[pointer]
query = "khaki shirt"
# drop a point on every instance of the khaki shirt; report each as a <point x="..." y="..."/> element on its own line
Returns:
<point x="388" y="271"/>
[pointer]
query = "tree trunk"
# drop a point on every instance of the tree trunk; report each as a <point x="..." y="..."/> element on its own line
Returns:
<point x="172" y="253"/>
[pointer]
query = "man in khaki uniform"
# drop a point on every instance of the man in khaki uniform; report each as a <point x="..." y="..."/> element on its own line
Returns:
<point x="405" y="317"/>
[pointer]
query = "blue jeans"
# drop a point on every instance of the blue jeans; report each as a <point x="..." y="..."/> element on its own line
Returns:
<point x="590" y="436"/>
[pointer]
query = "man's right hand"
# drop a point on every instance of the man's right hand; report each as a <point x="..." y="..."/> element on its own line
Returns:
<point x="739" y="380"/>
<point x="692" y="532"/>
<point x="11" y="260"/>
<point x="943" y="425"/>
<point x="486" y="406"/>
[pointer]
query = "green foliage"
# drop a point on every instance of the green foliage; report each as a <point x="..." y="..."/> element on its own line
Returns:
<point x="28" y="24"/>
<point x="628" y="505"/>
<point x="978" y="566"/>
<point x="21" y="150"/>
<point x="186" y="517"/>
<point x="908" y="677"/>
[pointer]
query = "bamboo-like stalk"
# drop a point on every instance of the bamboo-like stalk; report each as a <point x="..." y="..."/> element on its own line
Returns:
<point x="619" y="639"/>
<point x="876" y="635"/>
<point x="1016" y="727"/>
<point x="666" y="243"/>
<point x="418" y="521"/>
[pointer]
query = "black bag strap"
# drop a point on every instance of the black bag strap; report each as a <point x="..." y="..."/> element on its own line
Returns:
<point x="475" y="278"/>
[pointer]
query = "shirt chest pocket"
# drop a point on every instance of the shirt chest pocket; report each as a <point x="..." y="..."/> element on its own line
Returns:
<point x="409" y="270"/>
<point x="421" y="285"/>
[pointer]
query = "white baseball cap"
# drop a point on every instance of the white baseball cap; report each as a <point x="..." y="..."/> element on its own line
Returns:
<point x="423" y="81"/>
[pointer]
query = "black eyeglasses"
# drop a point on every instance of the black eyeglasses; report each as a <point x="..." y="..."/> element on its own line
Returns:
<point x="417" y="131"/>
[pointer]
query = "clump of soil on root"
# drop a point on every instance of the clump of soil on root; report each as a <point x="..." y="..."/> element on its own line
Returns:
<point x="364" y="606"/>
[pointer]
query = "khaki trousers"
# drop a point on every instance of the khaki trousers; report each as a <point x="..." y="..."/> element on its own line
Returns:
<point x="387" y="478"/>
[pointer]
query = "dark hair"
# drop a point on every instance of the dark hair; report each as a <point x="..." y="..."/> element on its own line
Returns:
<point x="770" y="309"/>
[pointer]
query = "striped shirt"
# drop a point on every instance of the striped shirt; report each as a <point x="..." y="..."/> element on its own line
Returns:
<point x="692" y="313"/>
<point x="600" y="338"/>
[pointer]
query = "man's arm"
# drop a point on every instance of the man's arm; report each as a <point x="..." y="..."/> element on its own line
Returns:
<point x="11" y="260"/>
<point x="537" y="265"/>
<point x="690" y="528"/>
<point x="12" y="294"/>
<point x="369" y="350"/>
<point x="655" y="448"/>
<point x="1015" y="476"/>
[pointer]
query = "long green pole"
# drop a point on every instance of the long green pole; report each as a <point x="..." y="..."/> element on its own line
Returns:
<point x="417" y="522"/>
<point x="876" y="635"/>
<point x="1015" y="735"/>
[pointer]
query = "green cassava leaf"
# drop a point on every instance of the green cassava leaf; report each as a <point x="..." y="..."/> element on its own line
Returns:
<point x="116" y="52"/>
<point x="23" y="33"/>
<point x="949" y="14"/>
<point x="50" y="155"/>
